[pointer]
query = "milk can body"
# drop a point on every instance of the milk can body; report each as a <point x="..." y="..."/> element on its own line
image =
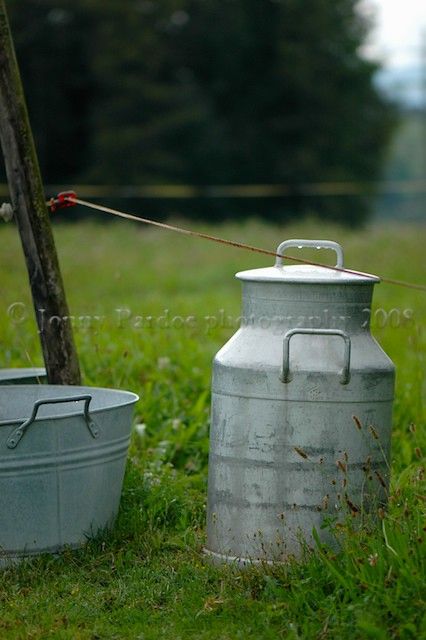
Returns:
<point x="301" y="413"/>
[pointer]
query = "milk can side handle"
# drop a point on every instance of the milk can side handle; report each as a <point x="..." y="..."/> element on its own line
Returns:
<point x="345" y="373"/>
<point x="316" y="244"/>
<point x="19" y="432"/>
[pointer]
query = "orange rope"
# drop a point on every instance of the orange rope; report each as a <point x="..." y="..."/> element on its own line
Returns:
<point x="238" y="245"/>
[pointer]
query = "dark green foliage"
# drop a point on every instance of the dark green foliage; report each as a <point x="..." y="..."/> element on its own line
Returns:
<point x="51" y="41"/>
<point x="205" y="92"/>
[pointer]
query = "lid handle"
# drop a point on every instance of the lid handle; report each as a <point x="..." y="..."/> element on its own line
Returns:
<point x="316" y="244"/>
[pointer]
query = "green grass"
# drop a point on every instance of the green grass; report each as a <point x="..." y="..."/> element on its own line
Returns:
<point x="147" y="579"/>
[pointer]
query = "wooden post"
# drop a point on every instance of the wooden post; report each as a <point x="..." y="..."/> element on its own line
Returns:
<point x="31" y="215"/>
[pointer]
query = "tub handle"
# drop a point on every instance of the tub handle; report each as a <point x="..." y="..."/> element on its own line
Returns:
<point x="345" y="373"/>
<point x="19" y="432"/>
<point x="316" y="244"/>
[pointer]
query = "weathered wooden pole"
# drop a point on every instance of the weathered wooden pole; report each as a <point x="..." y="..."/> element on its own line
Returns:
<point x="29" y="205"/>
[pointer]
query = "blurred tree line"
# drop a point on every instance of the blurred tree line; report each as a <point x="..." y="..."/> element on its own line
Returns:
<point x="204" y="92"/>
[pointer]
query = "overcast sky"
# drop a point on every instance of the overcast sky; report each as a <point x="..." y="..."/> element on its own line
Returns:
<point x="397" y="36"/>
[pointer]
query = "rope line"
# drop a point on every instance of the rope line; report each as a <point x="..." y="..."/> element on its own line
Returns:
<point x="238" y="245"/>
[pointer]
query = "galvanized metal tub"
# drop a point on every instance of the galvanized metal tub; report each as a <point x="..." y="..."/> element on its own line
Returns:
<point x="22" y="376"/>
<point x="62" y="460"/>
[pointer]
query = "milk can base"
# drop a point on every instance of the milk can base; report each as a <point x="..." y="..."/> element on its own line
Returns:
<point x="220" y="558"/>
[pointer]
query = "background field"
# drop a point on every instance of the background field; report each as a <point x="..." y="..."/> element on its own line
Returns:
<point x="147" y="579"/>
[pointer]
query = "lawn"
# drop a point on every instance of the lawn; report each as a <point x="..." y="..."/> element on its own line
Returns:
<point x="150" y="310"/>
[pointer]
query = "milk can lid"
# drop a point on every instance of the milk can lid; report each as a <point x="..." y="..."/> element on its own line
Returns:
<point x="307" y="273"/>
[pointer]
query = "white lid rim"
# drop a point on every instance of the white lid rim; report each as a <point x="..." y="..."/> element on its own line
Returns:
<point x="334" y="278"/>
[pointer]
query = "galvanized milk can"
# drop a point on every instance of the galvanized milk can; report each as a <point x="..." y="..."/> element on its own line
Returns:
<point x="301" y="412"/>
